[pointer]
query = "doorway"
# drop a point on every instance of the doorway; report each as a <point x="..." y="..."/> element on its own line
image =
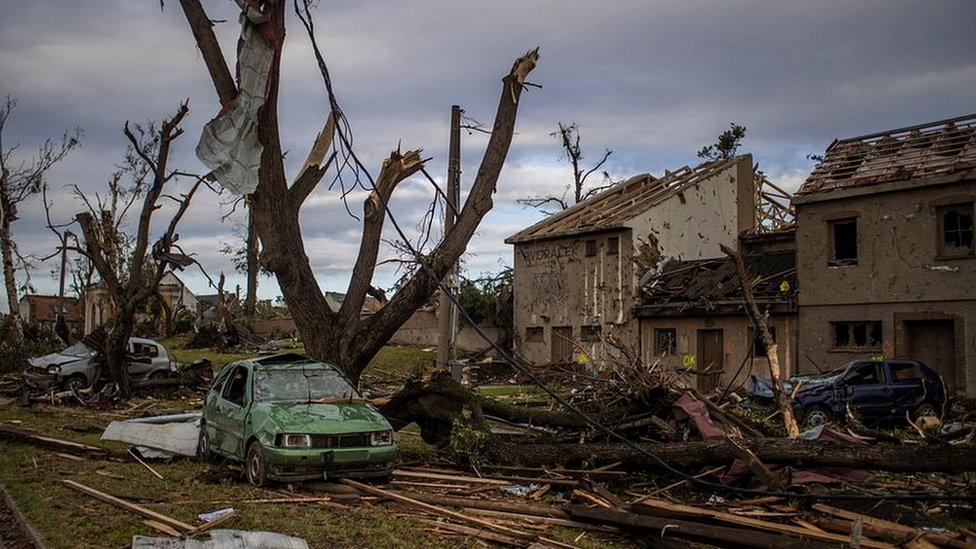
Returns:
<point x="710" y="359"/>
<point x="562" y="344"/>
<point x="933" y="342"/>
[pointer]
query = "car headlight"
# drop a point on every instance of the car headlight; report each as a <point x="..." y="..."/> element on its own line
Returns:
<point x="54" y="369"/>
<point x="296" y="441"/>
<point x="381" y="438"/>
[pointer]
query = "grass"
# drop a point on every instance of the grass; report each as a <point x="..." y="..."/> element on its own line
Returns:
<point x="71" y="519"/>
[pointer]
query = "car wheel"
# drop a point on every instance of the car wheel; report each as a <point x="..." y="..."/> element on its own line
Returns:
<point x="205" y="446"/>
<point x="76" y="382"/>
<point x="254" y="467"/>
<point x="924" y="410"/>
<point x="815" y="416"/>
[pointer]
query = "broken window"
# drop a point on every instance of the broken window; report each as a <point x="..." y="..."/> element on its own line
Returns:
<point x="590" y="248"/>
<point x="665" y="341"/>
<point x="533" y="334"/>
<point x="235" y="386"/>
<point x="591" y="333"/>
<point x="758" y="347"/>
<point x="904" y="371"/>
<point x="843" y="239"/>
<point x="865" y="374"/>
<point x="613" y="245"/>
<point x="956" y="223"/>
<point x="857" y="335"/>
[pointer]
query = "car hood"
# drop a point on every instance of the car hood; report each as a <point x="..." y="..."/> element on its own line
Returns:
<point x="318" y="418"/>
<point x="56" y="359"/>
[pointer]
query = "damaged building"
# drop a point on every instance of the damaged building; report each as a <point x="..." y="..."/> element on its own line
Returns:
<point x="692" y="316"/>
<point x="577" y="272"/>
<point x="885" y="251"/>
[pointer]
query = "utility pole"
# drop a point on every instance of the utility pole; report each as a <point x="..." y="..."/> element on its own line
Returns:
<point x="446" y="311"/>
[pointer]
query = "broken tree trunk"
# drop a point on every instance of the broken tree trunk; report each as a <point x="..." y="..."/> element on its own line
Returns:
<point x="435" y="402"/>
<point x="802" y="453"/>
<point x="8" y="213"/>
<point x="772" y="350"/>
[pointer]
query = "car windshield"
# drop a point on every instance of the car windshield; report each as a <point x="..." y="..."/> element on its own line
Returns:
<point x="79" y="350"/>
<point x="301" y="385"/>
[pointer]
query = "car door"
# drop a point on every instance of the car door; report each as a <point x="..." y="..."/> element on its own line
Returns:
<point x="907" y="384"/>
<point x="160" y="360"/>
<point x="231" y="410"/>
<point x="868" y="393"/>
<point x="140" y="358"/>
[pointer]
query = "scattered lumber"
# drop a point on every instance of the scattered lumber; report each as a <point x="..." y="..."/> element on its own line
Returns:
<point x="28" y="437"/>
<point x="656" y="507"/>
<point x="487" y="504"/>
<point x="808" y="453"/>
<point x="476" y="532"/>
<point x="723" y="536"/>
<point x="132" y="507"/>
<point x="435" y="509"/>
<point x="892" y="530"/>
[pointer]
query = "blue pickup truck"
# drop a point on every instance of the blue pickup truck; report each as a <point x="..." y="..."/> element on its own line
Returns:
<point x="872" y="389"/>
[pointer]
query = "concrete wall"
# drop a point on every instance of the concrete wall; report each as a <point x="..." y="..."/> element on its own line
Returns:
<point x="736" y="342"/>
<point x="899" y="275"/>
<point x="557" y="285"/>
<point x="693" y="223"/>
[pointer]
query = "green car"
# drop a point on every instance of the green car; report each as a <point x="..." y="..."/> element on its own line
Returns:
<point x="291" y="418"/>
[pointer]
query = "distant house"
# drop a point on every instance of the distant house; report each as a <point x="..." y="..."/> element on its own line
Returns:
<point x="99" y="308"/>
<point x="44" y="309"/>
<point x="692" y="317"/>
<point x="577" y="272"/>
<point x="208" y="302"/>
<point x="885" y="250"/>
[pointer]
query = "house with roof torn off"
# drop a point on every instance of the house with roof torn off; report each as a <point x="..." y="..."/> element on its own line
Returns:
<point x="577" y="272"/>
<point x="885" y="253"/>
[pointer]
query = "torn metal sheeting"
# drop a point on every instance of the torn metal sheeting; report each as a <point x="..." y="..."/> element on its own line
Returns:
<point x="229" y="144"/>
<point x="176" y="434"/>
<point x="224" y="539"/>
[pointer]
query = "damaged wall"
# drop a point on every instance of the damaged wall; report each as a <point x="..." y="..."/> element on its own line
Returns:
<point x="736" y="334"/>
<point x="584" y="284"/>
<point x="901" y="296"/>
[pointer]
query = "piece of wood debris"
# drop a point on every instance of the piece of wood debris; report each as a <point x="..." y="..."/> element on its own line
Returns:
<point x="160" y="527"/>
<point x="891" y="530"/>
<point x="144" y="464"/>
<point x="434" y="509"/>
<point x="29" y="437"/>
<point x="786" y="529"/>
<point x="132" y="507"/>
<point x="488" y="535"/>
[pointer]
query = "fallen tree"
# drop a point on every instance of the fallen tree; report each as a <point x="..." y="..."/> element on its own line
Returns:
<point x="779" y="451"/>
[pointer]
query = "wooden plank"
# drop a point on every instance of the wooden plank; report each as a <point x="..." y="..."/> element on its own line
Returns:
<point x="29" y="437"/>
<point x="547" y="520"/>
<point x="720" y="536"/>
<point x="892" y="530"/>
<point x="137" y="509"/>
<point x="435" y="509"/>
<point x="476" y="532"/>
<point x="786" y="529"/>
<point x="146" y="465"/>
<point x="162" y="528"/>
<point x="442" y="476"/>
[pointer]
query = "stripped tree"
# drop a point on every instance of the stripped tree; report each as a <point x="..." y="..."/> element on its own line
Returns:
<point x="19" y="180"/>
<point x="249" y="109"/>
<point x="569" y="137"/>
<point x="128" y="267"/>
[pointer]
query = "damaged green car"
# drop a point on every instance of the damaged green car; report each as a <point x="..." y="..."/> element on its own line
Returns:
<point x="291" y="418"/>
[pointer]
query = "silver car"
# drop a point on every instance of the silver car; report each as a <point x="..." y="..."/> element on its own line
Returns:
<point x="75" y="366"/>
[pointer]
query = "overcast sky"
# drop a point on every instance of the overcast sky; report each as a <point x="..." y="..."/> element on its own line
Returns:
<point x="652" y="81"/>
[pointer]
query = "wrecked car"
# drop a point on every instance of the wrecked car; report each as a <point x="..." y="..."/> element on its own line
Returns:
<point x="292" y="418"/>
<point x="874" y="390"/>
<point x="75" y="366"/>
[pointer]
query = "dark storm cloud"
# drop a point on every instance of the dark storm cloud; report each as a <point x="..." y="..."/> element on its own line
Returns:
<point x="651" y="80"/>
